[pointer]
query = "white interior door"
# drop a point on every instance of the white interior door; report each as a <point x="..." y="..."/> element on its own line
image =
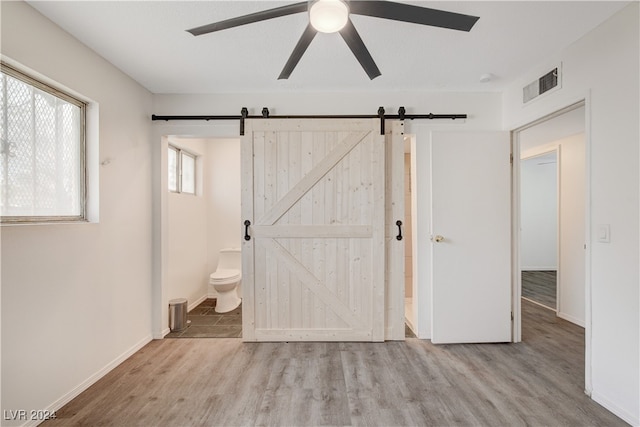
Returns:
<point x="313" y="269"/>
<point x="471" y="235"/>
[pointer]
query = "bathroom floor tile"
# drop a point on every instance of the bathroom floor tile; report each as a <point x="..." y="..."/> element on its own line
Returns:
<point x="235" y="312"/>
<point x="200" y="310"/>
<point x="206" y="323"/>
<point x="230" y="320"/>
<point x="204" y="320"/>
<point x="209" y="302"/>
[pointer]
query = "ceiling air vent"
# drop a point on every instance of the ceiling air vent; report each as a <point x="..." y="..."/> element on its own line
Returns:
<point x="540" y="86"/>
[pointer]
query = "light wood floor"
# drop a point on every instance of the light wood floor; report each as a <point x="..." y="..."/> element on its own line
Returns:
<point x="207" y="382"/>
<point x="540" y="286"/>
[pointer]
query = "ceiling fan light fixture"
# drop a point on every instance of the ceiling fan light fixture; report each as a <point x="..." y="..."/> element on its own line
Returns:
<point x="328" y="16"/>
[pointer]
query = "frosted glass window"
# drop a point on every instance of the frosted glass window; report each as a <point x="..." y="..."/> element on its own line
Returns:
<point x="173" y="169"/>
<point x="42" y="172"/>
<point x="188" y="179"/>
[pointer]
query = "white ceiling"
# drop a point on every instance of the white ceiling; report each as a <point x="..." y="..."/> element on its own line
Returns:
<point x="147" y="40"/>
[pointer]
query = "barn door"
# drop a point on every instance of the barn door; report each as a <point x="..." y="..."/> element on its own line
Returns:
<point x="313" y="267"/>
<point x="395" y="233"/>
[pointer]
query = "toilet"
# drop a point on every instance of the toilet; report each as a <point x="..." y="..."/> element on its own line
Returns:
<point x="226" y="278"/>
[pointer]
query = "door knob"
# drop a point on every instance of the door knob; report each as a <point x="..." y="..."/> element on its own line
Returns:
<point x="437" y="238"/>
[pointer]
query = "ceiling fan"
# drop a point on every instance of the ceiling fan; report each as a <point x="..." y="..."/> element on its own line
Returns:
<point x="329" y="16"/>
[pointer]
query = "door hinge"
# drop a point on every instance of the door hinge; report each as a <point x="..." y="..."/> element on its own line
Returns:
<point x="512" y="316"/>
<point x="511" y="158"/>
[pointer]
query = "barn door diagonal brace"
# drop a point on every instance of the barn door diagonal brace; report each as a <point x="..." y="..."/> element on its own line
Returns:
<point x="244" y="114"/>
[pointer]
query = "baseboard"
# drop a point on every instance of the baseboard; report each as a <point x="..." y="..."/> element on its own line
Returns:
<point x="538" y="304"/>
<point x="196" y="302"/>
<point x="163" y="334"/>
<point x="615" y="409"/>
<point x="68" y="397"/>
<point x="571" y="319"/>
<point x="538" y="268"/>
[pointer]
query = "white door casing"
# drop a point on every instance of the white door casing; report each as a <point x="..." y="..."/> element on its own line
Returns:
<point x="314" y="267"/>
<point x="471" y="235"/>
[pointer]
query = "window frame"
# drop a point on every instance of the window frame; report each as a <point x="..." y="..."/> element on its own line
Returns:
<point x="184" y="153"/>
<point x="179" y="175"/>
<point x="176" y="150"/>
<point x="82" y="188"/>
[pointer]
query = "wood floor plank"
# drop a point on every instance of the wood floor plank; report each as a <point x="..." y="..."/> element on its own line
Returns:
<point x="540" y="287"/>
<point x="211" y="382"/>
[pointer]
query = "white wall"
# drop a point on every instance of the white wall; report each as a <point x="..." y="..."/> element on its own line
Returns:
<point x="539" y="212"/>
<point x="603" y="67"/>
<point x="188" y="258"/>
<point x="76" y="299"/>
<point x="223" y="197"/>
<point x="571" y="277"/>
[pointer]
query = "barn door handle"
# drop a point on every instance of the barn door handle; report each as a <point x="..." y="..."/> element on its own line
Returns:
<point x="399" y="224"/>
<point x="247" y="223"/>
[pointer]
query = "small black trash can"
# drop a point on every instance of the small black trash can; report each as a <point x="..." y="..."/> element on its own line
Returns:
<point x="178" y="314"/>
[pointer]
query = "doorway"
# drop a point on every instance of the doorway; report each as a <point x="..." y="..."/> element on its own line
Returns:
<point x="395" y="308"/>
<point x="410" y="293"/>
<point x="561" y="136"/>
<point x="539" y="228"/>
<point x="201" y="218"/>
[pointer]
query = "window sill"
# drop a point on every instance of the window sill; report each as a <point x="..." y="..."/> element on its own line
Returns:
<point x="44" y="222"/>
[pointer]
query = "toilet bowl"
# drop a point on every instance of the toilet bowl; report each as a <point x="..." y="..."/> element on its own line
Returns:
<point x="225" y="280"/>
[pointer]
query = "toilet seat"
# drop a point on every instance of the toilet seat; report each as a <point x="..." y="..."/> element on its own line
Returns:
<point x="223" y="277"/>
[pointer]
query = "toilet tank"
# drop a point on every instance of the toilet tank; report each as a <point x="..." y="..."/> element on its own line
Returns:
<point x="230" y="258"/>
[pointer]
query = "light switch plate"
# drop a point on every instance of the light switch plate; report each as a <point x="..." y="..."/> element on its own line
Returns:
<point x="604" y="233"/>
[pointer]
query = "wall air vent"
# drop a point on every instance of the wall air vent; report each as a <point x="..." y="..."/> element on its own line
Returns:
<point x="540" y="86"/>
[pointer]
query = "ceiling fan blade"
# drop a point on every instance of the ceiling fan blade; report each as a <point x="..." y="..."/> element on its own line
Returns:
<point x="298" y="51"/>
<point x="355" y="43"/>
<point x="414" y="14"/>
<point x="251" y="18"/>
